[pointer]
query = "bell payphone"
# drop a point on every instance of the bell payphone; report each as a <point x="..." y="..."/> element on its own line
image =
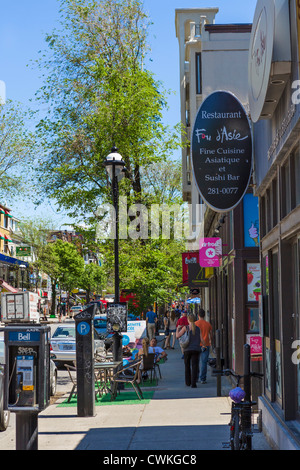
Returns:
<point x="27" y="378"/>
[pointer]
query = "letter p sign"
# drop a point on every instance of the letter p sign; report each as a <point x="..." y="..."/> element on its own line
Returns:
<point x="83" y="328"/>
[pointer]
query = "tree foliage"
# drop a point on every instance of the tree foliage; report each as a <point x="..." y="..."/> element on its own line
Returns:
<point x="62" y="262"/>
<point x="92" y="279"/>
<point x="17" y="146"/>
<point x="35" y="232"/>
<point x="99" y="95"/>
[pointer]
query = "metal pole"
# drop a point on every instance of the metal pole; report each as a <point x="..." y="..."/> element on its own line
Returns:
<point x="116" y="205"/>
<point x="26" y="430"/>
<point x="218" y="362"/>
<point x="246" y="412"/>
<point x="247" y="379"/>
<point x="117" y="338"/>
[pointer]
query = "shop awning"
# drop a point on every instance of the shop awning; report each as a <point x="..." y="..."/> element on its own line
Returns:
<point x="7" y="213"/>
<point x="7" y="238"/>
<point x="6" y="287"/>
<point x="10" y="260"/>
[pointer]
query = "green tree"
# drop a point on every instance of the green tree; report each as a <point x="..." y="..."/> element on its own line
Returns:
<point x="99" y="94"/>
<point x="62" y="262"/>
<point x="92" y="279"/>
<point x="35" y="232"/>
<point x="17" y="149"/>
<point x="151" y="269"/>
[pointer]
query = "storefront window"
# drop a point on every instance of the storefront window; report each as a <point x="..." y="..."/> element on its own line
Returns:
<point x="265" y="296"/>
<point x="296" y="258"/>
<point x="296" y="176"/>
<point x="251" y="221"/>
<point x="276" y="324"/>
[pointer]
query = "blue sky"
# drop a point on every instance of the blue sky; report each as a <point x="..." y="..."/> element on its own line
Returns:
<point x="24" y="25"/>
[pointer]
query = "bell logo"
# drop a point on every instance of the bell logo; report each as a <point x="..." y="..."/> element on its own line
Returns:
<point x="24" y="337"/>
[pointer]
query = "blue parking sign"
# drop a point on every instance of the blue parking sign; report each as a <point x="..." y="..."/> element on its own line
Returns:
<point x="83" y="328"/>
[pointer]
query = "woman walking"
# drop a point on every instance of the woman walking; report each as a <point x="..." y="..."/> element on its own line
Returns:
<point x="167" y="330"/>
<point x="191" y="352"/>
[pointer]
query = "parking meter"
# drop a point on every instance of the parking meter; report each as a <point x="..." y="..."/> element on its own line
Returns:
<point x="27" y="376"/>
<point x="84" y="322"/>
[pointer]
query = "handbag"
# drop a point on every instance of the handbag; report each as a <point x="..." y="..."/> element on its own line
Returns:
<point x="184" y="339"/>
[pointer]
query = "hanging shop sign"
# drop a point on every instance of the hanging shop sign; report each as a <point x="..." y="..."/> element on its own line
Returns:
<point x="222" y="151"/>
<point x="197" y="276"/>
<point x="210" y="252"/>
<point x="23" y="251"/>
<point x="190" y="257"/>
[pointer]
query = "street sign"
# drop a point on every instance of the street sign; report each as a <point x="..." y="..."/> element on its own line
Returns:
<point x="222" y="151"/>
<point x="23" y="251"/>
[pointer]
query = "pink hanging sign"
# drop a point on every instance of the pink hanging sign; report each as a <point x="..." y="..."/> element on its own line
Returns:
<point x="210" y="252"/>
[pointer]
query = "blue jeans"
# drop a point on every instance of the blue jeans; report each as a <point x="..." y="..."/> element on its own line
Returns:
<point x="204" y="355"/>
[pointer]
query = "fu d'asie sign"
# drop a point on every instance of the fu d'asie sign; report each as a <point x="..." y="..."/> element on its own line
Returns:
<point x="222" y="151"/>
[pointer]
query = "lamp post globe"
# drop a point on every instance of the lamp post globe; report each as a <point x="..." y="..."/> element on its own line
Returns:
<point x="115" y="165"/>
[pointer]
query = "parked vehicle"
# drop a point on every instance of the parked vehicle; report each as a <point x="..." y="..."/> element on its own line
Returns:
<point x="63" y="343"/>
<point x="53" y="378"/>
<point x="75" y="309"/>
<point x="100" y="322"/>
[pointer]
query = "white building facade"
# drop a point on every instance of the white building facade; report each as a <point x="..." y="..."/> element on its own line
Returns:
<point x="211" y="57"/>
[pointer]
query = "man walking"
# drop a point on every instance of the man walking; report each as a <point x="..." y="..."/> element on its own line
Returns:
<point x="206" y="336"/>
<point x="151" y="319"/>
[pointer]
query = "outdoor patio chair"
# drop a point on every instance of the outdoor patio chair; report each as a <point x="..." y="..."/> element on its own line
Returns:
<point x="123" y="375"/>
<point x="72" y="376"/>
<point x="149" y="365"/>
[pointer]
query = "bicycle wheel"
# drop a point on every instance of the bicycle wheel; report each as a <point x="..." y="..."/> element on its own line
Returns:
<point x="235" y="431"/>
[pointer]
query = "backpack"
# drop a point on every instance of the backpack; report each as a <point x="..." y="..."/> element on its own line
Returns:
<point x="185" y="338"/>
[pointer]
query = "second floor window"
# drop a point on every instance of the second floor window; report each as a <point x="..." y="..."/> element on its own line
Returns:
<point x="198" y="74"/>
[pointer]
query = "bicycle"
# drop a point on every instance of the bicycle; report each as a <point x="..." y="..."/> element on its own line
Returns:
<point x="241" y="425"/>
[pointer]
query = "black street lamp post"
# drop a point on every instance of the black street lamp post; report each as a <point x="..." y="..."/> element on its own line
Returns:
<point x="115" y="167"/>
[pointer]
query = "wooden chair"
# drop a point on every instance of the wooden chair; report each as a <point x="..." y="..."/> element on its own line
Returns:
<point x="124" y="375"/>
<point x="71" y="369"/>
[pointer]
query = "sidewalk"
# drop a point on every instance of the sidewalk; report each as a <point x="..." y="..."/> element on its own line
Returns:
<point x="176" y="418"/>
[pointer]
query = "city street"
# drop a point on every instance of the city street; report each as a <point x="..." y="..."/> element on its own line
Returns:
<point x="176" y="418"/>
<point x="150" y="184"/>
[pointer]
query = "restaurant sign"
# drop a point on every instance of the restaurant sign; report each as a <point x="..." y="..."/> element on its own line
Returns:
<point x="222" y="151"/>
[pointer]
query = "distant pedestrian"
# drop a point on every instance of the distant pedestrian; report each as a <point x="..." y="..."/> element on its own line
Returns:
<point x="206" y="337"/>
<point x="173" y="322"/>
<point x="151" y="319"/>
<point x="167" y="330"/>
<point x="191" y="352"/>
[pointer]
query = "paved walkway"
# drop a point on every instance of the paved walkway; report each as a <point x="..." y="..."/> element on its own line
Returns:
<point x="176" y="418"/>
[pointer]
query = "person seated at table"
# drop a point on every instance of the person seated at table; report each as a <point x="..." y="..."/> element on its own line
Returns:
<point x="157" y="350"/>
